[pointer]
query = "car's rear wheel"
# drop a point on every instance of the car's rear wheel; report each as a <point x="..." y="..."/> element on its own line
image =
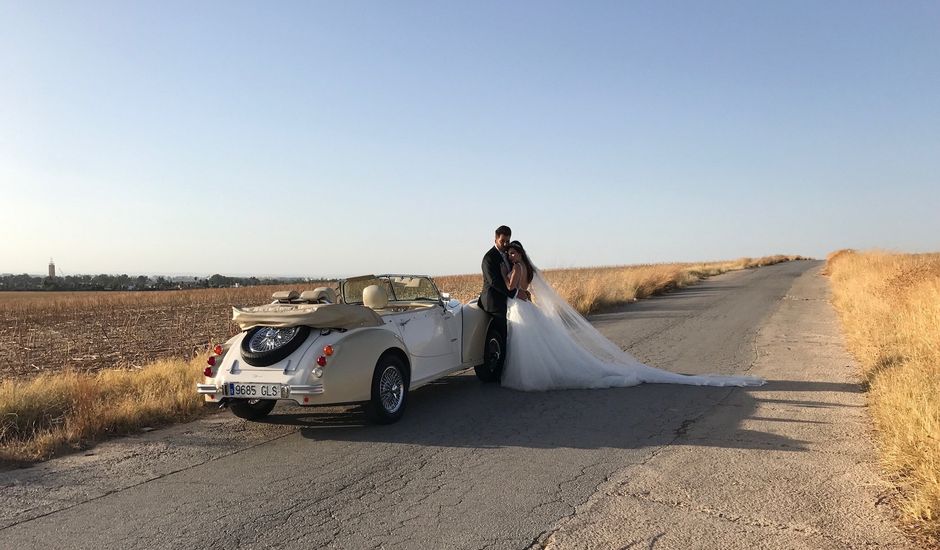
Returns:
<point x="494" y="354"/>
<point x="389" y="390"/>
<point x="252" y="409"/>
<point x="264" y="346"/>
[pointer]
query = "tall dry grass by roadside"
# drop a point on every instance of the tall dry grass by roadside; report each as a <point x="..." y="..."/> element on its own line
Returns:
<point x="56" y="411"/>
<point x="62" y="407"/>
<point x="889" y="305"/>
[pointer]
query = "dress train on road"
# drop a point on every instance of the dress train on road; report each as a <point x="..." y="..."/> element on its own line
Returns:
<point x="551" y="347"/>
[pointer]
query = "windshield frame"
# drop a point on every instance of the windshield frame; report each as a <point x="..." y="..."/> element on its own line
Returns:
<point x="387" y="281"/>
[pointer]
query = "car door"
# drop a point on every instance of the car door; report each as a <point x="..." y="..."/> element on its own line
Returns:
<point x="431" y="337"/>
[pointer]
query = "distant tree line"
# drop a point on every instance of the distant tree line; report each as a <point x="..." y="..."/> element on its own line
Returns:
<point x="140" y="282"/>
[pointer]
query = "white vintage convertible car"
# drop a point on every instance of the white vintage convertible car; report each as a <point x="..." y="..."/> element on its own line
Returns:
<point x="373" y="342"/>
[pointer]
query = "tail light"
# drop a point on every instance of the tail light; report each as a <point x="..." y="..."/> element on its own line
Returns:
<point x="211" y="360"/>
<point x="321" y="361"/>
<point x="328" y="350"/>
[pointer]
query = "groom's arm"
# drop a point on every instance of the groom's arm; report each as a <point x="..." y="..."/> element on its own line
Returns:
<point x="493" y="275"/>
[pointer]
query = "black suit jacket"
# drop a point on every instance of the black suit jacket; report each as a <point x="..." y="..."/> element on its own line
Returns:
<point x="495" y="294"/>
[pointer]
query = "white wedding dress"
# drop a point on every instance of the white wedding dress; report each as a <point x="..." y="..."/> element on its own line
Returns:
<point x="551" y="347"/>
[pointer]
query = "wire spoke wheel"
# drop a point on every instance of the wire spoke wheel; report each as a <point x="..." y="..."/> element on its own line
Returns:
<point x="391" y="389"/>
<point x="494" y="351"/>
<point x="263" y="346"/>
<point x="270" y="338"/>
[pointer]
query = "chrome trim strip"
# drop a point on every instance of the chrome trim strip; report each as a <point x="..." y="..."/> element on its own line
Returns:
<point x="204" y="389"/>
<point x="312" y="389"/>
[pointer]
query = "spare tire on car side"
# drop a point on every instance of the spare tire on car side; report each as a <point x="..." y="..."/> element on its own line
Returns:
<point x="263" y="346"/>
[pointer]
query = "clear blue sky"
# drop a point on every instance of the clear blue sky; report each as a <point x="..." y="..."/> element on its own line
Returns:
<point x="335" y="138"/>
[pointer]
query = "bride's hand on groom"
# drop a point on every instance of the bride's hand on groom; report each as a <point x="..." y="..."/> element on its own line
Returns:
<point x="523" y="294"/>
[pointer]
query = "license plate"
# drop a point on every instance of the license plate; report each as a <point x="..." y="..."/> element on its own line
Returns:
<point x="253" y="391"/>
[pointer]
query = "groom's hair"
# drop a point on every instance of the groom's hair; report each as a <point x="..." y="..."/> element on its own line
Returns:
<point x="503" y="230"/>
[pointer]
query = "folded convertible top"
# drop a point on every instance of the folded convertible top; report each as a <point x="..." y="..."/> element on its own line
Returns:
<point x="312" y="315"/>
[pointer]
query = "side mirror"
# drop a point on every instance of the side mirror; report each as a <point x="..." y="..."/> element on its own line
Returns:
<point x="445" y="299"/>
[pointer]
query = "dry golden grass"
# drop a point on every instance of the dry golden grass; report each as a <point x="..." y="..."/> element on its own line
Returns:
<point x="69" y="404"/>
<point x="890" y="310"/>
<point x="592" y="289"/>
<point x="68" y="410"/>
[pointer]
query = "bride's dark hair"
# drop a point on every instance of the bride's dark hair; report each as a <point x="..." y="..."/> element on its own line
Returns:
<point x="517" y="246"/>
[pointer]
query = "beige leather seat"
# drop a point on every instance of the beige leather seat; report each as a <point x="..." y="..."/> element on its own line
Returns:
<point x="375" y="297"/>
<point x="285" y="296"/>
<point x="322" y="295"/>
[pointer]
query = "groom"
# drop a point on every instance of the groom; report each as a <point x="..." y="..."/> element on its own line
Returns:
<point x="495" y="293"/>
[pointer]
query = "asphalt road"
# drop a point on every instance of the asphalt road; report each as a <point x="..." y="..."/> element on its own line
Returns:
<point x="786" y="465"/>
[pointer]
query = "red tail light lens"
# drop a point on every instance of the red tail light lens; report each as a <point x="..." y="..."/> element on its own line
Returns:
<point x="321" y="361"/>
<point x="328" y="350"/>
<point x="211" y="360"/>
<point x="208" y="372"/>
<point x="217" y="349"/>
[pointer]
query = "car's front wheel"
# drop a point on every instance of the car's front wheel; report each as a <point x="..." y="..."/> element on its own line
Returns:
<point x="494" y="353"/>
<point x="252" y="409"/>
<point x="389" y="390"/>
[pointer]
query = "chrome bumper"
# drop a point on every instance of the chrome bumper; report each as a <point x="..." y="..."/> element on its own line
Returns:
<point x="207" y="389"/>
<point x="310" y="389"/>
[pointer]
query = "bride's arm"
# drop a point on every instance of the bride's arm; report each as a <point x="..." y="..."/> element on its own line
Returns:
<point x="515" y="279"/>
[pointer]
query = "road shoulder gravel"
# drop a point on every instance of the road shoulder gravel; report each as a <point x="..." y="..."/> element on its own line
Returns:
<point x="799" y="471"/>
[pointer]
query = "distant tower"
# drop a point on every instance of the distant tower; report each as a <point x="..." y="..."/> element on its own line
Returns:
<point x="51" y="269"/>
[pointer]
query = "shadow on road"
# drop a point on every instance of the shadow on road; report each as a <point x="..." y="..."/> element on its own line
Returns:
<point x="715" y="319"/>
<point x="458" y="411"/>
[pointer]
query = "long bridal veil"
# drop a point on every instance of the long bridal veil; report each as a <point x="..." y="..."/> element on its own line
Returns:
<point x="604" y="358"/>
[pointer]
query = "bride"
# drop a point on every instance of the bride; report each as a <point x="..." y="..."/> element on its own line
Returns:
<point x="551" y="346"/>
